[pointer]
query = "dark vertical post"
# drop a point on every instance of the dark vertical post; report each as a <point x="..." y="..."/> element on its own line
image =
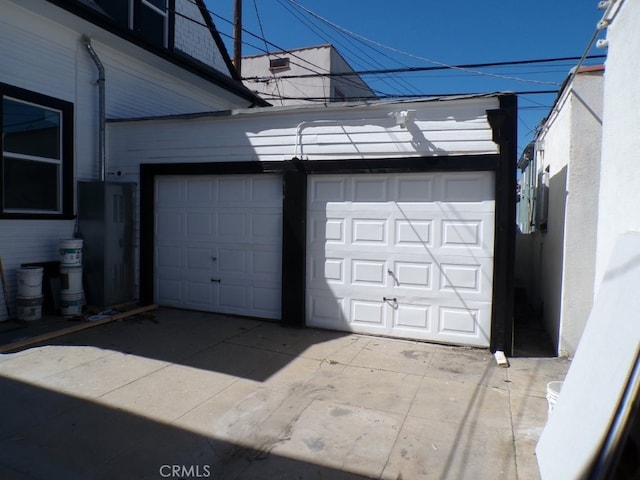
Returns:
<point x="504" y="125"/>
<point x="237" y="36"/>
<point x="294" y="211"/>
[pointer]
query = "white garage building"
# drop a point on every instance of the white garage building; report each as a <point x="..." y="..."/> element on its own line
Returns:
<point x="392" y="218"/>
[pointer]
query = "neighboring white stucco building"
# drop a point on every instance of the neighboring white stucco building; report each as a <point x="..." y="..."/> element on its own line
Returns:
<point x="618" y="210"/>
<point x="557" y="248"/>
<point x="295" y="77"/>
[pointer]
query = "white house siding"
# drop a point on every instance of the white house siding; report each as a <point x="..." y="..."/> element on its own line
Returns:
<point x="558" y="264"/>
<point x="192" y="36"/>
<point x="47" y="57"/>
<point x="618" y="210"/>
<point x="454" y="127"/>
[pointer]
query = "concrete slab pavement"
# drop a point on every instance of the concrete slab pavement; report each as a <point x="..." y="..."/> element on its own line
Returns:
<point x="196" y="395"/>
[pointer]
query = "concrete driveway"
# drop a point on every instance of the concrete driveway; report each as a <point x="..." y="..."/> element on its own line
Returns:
<point x="192" y="395"/>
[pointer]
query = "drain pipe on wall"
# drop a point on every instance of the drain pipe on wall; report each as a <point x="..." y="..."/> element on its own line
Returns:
<point x="102" y="164"/>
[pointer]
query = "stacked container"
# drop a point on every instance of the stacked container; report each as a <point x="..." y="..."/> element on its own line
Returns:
<point x="30" y="296"/>
<point x="71" y="293"/>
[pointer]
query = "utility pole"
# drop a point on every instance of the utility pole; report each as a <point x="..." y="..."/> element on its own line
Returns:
<point x="237" y="36"/>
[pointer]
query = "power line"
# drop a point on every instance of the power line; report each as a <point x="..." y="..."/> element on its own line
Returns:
<point x="358" y="55"/>
<point x="410" y="96"/>
<point x="365" y="39"/>
<point x="439" y="67"/>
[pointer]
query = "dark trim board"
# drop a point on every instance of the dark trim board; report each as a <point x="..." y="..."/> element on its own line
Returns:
<point x="294" y="174"/>
<point x="505" y="133"/>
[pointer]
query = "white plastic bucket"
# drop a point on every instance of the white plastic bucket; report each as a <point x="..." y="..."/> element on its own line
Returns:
<point x="71" y="304"/>
<point x="553" y="393"/>
<point x="29" y="308"/>
<point x="71" y="252"/>
<point x="30" y="281"/>
<point x="71" y="279"/>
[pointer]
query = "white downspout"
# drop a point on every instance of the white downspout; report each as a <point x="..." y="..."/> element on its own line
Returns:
<point x="102" y="164"/>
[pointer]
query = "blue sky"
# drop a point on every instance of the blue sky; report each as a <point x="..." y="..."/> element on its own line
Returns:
<point x="451" y="32"/>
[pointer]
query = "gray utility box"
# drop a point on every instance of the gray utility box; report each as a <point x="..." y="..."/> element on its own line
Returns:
<point x="106" y="224"/>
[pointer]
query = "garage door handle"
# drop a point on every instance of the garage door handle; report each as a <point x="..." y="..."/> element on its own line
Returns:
<point x="216" y="280"/>
<point x="388" y="299"/>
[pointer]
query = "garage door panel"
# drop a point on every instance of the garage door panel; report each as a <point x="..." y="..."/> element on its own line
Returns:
<point x="232" y="261"/>
<point x="198" y="190"/>
<point x="199" y="258"/>
<point x="265" y="225"/>
<point x="326" y="310"/>
<point x="265" y="263"/>
<point x="415" y="316"/>
<point x="198" y="225"/>
<point x="413" y="232"/>
<point x="366" y="231"/>
<point x="170" y="224"/>
<point x="410" y="190"/>
<point x="266" y="300"/>
<point x="170" y="291"/>
<point x="231" y="226"/>
<point x="169" y="192"/>
<point x="368" y="273"/>
<point x="467" y="323"/>
<point x="326" y="230"/>
<point x="232" y="190"/>
<point x="412" y="274"/>
<point x="369" y="313"/>
<point x="199" y="293"/>
<point x="471" y="187"/>
<point x="326" y="190"/>
<point x="221" y="228"/>
<point x="370" y="190"/>
<point x="413" y="256"/>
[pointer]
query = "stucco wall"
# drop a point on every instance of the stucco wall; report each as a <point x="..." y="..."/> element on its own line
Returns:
<point x="547" y="247"/>
<point x="618" y="210"/>
<point x="583" y="178"/>
<point x="559" y="271"/>
<point x="288" y="91"/>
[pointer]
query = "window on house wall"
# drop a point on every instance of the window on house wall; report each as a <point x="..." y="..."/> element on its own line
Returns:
<point x="36" y="174"/>
<point x="150" y="21"/>
<point x="279" y="64"/>
<point x="148" y="18"/>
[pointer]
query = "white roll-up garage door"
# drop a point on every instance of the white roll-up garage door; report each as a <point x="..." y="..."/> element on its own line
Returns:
<point x="218" y="242"/>
<point x="404" y="255"/>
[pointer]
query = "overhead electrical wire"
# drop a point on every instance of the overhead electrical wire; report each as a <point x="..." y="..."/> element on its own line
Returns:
<point x="440" y="67"/>
<point x="369" y="61"/>
<point x="266" y="47"/>
<point x="316" y="70"/>
<point x="417" y="57"/>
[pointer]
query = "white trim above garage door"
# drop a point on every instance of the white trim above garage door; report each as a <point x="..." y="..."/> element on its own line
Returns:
<point x="404" y="255"/>
<point x="218" y="243"/>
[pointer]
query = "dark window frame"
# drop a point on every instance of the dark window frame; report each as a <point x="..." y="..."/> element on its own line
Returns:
<point x="279" y="64"/>
<point x="66" y="182"/>
<point x="135" y="15"/>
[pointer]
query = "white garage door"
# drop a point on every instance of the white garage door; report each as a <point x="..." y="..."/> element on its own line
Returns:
<point x="405" y="255"/>
<point x="218" y="242"/>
